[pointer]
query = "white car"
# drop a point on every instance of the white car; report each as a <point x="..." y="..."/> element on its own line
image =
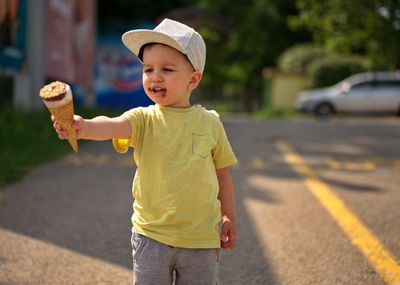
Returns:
<point x="371" y="92"/>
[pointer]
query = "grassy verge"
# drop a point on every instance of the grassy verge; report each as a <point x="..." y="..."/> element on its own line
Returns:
<point x="264" y="113"/>
<point x="28" y="139"/>
<point x="269" y="112"/>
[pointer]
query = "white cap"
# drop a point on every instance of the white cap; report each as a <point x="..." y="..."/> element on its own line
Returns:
<point x="174" y="34"/>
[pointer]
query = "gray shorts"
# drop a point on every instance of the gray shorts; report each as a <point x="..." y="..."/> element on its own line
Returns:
<point x="159" y="264"/>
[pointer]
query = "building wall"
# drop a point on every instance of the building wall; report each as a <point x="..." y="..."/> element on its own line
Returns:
<point x="284" y="89"/>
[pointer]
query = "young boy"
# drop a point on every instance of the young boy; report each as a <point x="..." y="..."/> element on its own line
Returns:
<point x="182" y="186"/>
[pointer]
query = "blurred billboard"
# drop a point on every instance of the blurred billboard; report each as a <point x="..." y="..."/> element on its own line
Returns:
<point x="118" y="74"/>
<point x="70" y="40"/>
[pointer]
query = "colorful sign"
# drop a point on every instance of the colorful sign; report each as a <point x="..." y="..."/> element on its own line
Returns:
<point x="118" y="76"/>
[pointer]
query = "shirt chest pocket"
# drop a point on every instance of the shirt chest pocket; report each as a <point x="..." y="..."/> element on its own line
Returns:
<point x="202" y="145"/>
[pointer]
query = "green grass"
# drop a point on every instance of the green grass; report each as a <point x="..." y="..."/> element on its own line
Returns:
<point x="269" y="112"/>
<point x="28" y="139"/>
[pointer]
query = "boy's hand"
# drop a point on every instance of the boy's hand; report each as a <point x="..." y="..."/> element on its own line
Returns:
<point x="78" y="125"/>
<point x="228" y="234"/>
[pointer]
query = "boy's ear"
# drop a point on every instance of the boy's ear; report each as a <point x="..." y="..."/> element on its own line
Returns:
<point x="195" y="80"/>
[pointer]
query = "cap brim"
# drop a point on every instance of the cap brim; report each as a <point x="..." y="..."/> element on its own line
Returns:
<point x="135" y="39"/>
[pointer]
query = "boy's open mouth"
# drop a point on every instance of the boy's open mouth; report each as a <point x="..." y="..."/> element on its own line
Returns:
<point x="158" y="91"/>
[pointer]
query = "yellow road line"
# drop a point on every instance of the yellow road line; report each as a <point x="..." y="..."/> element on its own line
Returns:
<point x="376" y="254"/>
<point x="257" y="163"/>
<point x="357" y="166"/>
<point x="333" y="163"/>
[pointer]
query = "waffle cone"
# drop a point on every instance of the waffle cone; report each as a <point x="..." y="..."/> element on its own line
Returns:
<point x="64" y="116"/>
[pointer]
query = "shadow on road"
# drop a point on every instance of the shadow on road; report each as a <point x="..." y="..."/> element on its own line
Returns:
<point x="83" y="203"/>
<point x="247" y="264"/>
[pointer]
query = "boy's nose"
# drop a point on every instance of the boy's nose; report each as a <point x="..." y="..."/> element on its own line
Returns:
<point x="157" y="77"/>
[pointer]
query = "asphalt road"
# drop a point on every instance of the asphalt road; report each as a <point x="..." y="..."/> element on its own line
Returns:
<point x="68" y="221"/>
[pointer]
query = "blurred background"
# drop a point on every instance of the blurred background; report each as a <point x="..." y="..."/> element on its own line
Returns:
<point x="260" y="53"/>
<point x="251" y="45"/>
<point x="65" y="216"/>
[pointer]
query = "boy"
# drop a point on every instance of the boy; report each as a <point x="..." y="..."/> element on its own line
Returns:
<point x="182" y="186"/>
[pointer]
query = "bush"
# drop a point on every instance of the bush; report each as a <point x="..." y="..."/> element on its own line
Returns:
<point x="297" y="58"/>
<point x="332" y="69"/>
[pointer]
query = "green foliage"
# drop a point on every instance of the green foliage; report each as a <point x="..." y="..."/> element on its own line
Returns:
<point x="258" y="35"/>
<point x="28" y="139"/>
<point x="332" y="69"/>
<point x="268" y="112"/>
<point x="298" y="57"/>
<point x="366" y="27"/>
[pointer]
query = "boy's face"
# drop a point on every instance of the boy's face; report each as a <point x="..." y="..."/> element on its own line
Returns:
<point x="168" y="76"/>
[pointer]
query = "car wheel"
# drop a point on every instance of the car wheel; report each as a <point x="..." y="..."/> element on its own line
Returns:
<point x="324" y="110"/>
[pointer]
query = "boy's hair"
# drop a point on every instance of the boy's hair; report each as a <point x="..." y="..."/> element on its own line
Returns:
<point x="173" y="34"/>
<point x="141" y="50"/>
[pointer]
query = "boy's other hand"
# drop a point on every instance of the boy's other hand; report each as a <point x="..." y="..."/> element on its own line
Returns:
<point x="77" y="124"/>
<point x="228" y="234"/>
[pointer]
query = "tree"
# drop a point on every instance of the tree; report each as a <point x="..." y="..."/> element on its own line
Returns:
<point x="259" y="34"/>
<point x="365" y="27"/>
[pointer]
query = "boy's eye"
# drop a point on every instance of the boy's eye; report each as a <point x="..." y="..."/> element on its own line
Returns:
<point x="168" y="69"/>
<point x="146" y="70"/>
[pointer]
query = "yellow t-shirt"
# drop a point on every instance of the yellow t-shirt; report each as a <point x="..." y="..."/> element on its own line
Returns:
<point x="175" y="186"/>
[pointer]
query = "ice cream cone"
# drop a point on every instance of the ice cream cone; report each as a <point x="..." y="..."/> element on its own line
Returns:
<point x="64" y="115"/>
<point x="57" y="97"/>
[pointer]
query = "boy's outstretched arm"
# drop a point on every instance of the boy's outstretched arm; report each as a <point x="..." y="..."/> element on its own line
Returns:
<point x="226" y="197"/>
<point x="99" y="128"/>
